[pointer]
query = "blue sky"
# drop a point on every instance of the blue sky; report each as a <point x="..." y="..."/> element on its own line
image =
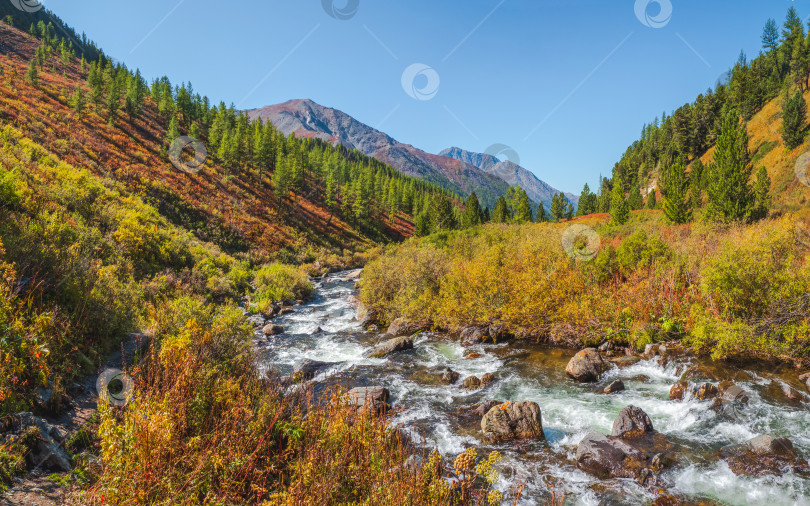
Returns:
<point x="568" y="84"/>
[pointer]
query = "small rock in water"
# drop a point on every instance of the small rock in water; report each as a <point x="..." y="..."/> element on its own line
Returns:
<point x="482" y="408"/>
<point x="392" y="346"/>
<point x="805" y="378"/>
<point x="586" y="366"/>
<point x="448" y="376"/>
<point x="404" y="327"/>
<point x="286" y="310"/>
<point x="487" y="379"/>
<point x="763" y="455"/>
<point x="307" y="369"/>
<point x="615" y="386"/>
<point x="622" y="362"/>
<point x="472" y="355"/>
<point x="511" y="421"/>
<point x="373" y="398"/>
<point x="472" y="382"/>
<point x="272" y="330"/>
<point x="706" y="391"/>
<point x="473" y="335"/>
<point x="631" y="422"/>
<point x="678" y="391"/>
<point x="731" y="392"/>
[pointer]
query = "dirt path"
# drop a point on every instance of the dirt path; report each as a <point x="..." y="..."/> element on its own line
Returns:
<point x="38" y="489"/>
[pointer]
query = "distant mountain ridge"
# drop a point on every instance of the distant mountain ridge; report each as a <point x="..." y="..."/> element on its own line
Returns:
<point x="306" y="118"/>
<point x="513" y="174"/>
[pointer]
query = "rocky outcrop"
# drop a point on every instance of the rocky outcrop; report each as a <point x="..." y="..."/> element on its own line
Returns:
<point x="373" y="398"/>
<point x="615" y="386"/>
<point x="511" y="421"/>
<point x="586" y="366"/>
<point x="404" y="327"/>
<point x="764" y="455"/>
<point x="392" y="346"/>
<point x="46" y="451"/>
<point x="631" y="422"/>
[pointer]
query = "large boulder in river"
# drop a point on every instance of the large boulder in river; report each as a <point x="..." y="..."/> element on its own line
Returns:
<point x="45" y="449"/>
<point x="511" y="421"/>
<point x="372" y="398"/>
<point x="631" y="422"/>
<point x="586" y="366"/>
<point x="392" y="346"/>
<point x="404" y="327"/>
<point x="307" y="369"/>
<point x="473" y="335"/>
<point x="610" y="457"/>
<point x="763" y="455"/>
<point x="472" y="382"/>
<point x="805" y="378"/>
<point x="272" y="330"/>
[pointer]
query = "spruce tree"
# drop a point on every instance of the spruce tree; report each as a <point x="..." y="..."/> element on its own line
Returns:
<point x="524" y="208"/>
<point x="729" y="193"/>
<point x="619" y="208"/>
<point x="472" y="211"/>
<point x="501" y="212"/>
<point x="634" y="200"/>
<point x="762" y="198"/>
<point x="587" y="202"/>
<point x="676" y="205"/>
<point x="652" y="202"/>
<point x="794" y="115"/>
<point x="77" y="102"/>
<point x="32" y="75"/>
<point x="541" y="214"/>
<point x="558" y="206"/>
<point x="569" y="214"/>
<point x="443" y="215"/>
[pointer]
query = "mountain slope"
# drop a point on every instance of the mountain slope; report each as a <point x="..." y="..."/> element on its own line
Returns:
<point x="515" y="175"/>
<point x="306" y="118"/>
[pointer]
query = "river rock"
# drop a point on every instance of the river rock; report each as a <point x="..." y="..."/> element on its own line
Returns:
<point x="783" y="393"/>
<point x="586" y="366"/>
<point x="448" y="377"/>
<point x="731" y="392"/>
<point x="706" y="391"/>
<point x="678" y="391"/>
<point x="805" y="378"/>
<point x="46" y="450"/>
<point x="392" y="346"/>
<point x="472" y="382"/>
<point x="307" y="369"/>
<point x="511" y="421"/>
<point x="472" y="355"/>
<point x="487" y="379"/>
<point x="286" y="310"/>
<point x="482" y="408"/>
<point x="763" y="455"/>
<point x="471" y="336"/>
<point x="353" y="275"/>
<point x="626" y="361"/>
<point x="631" y="422"/>
<point x="404" y="327"/>
<point x="272" y="330"/>
<point x="651" y="350"/>
<point x="374" y="398"/>
<point x="610" y="457"/>
<point x="615" y="386"/>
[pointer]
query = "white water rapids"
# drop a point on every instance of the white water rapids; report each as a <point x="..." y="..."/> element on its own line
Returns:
<point x="525" y="371"/>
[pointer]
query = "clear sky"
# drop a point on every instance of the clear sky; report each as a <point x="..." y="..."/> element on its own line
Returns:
<point x="567" y="84"/>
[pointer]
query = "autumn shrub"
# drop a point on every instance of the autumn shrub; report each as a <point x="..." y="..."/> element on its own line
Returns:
<point x="278" y="282"/>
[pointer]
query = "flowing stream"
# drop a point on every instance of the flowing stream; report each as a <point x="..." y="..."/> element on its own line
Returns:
<point x="326" y="329"/>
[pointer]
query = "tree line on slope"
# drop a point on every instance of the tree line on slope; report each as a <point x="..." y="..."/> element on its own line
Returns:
<point x="672" y="146"/>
